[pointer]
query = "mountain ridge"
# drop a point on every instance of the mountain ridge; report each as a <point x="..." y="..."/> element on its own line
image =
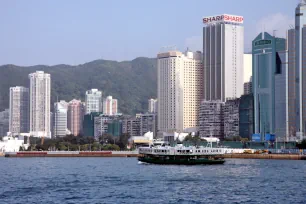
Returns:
<point x="131" y="82"/>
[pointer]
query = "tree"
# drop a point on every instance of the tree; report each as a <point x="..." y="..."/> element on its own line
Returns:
<point x="95" y="146"/>
<point x="194" y="140"/>
<point x="234" y="138"/>
<point x="62" y="147"/>
<point x="110" y="147"/>
<point x="123" y="141"/>
<point x="106" y="139"/>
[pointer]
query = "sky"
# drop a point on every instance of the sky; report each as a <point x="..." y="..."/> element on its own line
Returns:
<point x="74" y="32"/>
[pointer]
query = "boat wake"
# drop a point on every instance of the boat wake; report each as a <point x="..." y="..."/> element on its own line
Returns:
<point x="143" y="163"/>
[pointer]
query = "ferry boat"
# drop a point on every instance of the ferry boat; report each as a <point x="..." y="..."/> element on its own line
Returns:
<point x="180" y="154"/>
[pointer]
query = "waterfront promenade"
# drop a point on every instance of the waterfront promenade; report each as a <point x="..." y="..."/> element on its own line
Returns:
<point x="136" y="154"/>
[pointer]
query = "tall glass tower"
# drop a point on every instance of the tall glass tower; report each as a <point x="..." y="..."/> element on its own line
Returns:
<point x="267" y="53"/>
<point x="300" y="46"/>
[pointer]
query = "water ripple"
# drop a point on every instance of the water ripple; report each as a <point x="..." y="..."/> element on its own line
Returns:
<point x="123" y="180"/>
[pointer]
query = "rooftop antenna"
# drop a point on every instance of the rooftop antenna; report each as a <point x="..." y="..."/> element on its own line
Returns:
<point x="263" y="32"/>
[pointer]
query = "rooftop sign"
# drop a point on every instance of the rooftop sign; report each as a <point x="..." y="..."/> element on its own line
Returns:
<point x="224" y="18"/>
<point x="263" y="42"/>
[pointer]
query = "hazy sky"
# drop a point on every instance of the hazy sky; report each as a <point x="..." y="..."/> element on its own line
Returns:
<point x="74" y="31"/>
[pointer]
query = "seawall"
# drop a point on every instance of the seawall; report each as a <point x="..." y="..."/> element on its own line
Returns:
<point x="74" y="154"/>
<point x="266" y="156"/>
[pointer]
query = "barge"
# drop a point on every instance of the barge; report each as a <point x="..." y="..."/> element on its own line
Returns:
<point x="180" y="155"/>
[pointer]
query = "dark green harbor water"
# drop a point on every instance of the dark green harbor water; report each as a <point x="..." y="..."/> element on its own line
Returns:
<point x="124" y="180"/>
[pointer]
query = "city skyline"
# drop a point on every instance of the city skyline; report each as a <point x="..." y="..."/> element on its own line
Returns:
<point x="54" y="41"/>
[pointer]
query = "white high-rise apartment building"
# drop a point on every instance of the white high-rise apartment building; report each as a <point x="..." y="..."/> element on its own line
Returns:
<point x="152" y="105"/>
<point x="60" y="119"/>
<point x="110" y="106"/>
<point x="19" y="110"/>
<point x="93" y="100"/>
<point x="40" y="95"/>
<point x="179" y="89"/>
<point x="223" y="50"/>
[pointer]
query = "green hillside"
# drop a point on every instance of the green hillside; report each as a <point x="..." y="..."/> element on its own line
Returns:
<point x="131" y="82"/>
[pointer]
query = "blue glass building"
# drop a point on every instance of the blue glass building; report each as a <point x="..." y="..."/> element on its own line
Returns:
<point x="266" y="60"/>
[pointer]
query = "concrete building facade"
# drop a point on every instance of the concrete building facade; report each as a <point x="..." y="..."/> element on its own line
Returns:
<point x="231" y="118"/>
<point x="19" y="110"/>
<point x="179" y="90"/>
<point x="40" y="99"/>
<point x="101" y="125"/>
<point x="131" y="126"/>
<point x="148" y="123"/>
<point x="212" y="119"/>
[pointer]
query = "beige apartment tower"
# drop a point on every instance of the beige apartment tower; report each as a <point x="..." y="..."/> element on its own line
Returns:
<point x="179" y="90"/>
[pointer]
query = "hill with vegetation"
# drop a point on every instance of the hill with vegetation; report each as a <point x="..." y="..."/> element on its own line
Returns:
<point x="131" y="82"/>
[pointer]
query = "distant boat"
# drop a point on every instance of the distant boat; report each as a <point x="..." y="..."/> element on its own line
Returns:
<point x="181" y="155"/>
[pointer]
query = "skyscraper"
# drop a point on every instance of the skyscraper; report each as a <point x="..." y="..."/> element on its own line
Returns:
<point x="110" y="106"/>
<point x="267" y="61"/>
<point x="75" y="117"/>
<point x="300" y="55"/>
<point x="179" y="90"/>
<point x="292" y="100"/>
<point x="223" y="51"/>
<point x="281" y="96"/>
<point x="93" y="101"/>
<point x="60" y="119"/>
<point x="152" y="105"/>
<point x="40" y="93"/>
<point x="19" y="110"/>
